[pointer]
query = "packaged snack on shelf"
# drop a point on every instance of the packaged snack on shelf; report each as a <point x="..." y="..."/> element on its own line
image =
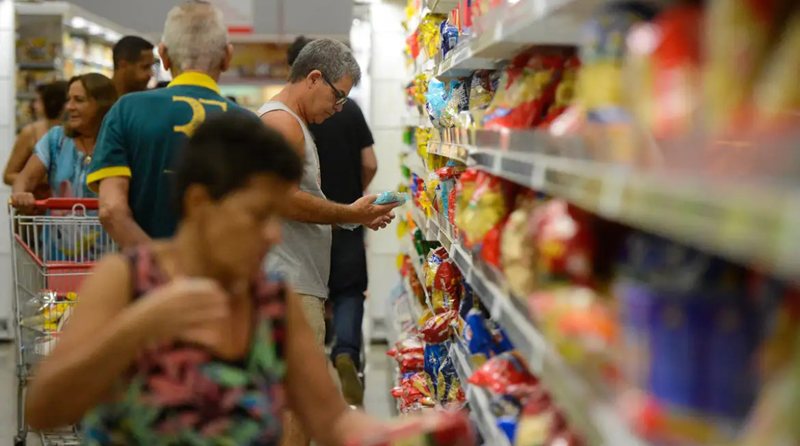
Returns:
<point x="437" y="99"/>
<point x="535" y="422"/>
<point x="458" y="102"/>
<point x="439" y="328"/>
<point x="487" y="208"/>
<point x="505" y="374"/>
<point x="732" y="64"/>
<point x="443" y="429"/>
<point x="464" y="191"/>
<point x="578" y="323"/>
<point x="665" y="75"/>
<point x="449" y="34"/>
<point x="526" y="91"/>
<point x="481" y="91"/>
<point x="518" y="255"/>
<point x="444" y="295"/>
<point x="478" y="337"/>
<point x="508" y="426"/>
<point x="431" y="267"/>
<point x="565" y="91"/>
<point x="435" y="355"/>
<point x="777" y="92"/>
<point x="565" y="244"/>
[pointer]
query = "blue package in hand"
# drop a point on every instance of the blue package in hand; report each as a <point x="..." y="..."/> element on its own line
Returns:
<point x="391" y="197"/>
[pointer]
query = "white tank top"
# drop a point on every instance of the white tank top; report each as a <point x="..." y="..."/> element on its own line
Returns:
<point x="304" y="256"/>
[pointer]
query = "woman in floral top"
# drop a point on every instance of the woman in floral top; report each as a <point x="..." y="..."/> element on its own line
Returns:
<point x="181" y="342"/>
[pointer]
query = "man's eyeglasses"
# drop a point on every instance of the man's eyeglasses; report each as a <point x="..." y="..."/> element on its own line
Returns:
<point x="341" y="97"/>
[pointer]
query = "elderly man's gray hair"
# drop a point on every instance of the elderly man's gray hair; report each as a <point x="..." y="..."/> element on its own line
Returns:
<point x="329" y="56"/>
<point x="196" y="36"/>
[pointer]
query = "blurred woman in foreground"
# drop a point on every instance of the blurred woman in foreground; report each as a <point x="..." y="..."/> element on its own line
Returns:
<point x="182" y="341"/>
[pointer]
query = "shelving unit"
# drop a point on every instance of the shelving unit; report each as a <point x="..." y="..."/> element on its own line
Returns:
<point x="58" y="40"/>
<point x="749" y="219"/>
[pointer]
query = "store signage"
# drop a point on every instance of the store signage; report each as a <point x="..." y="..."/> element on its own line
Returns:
<point x="238" y="15"/>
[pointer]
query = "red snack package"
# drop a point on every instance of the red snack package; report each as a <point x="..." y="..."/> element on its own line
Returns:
<point x="505" y="374"/>
<point x="527" y="90"/>
<point x="564" y="242"/>
<point x="465" y="188"/>
<point x="437" y="429"/>
<point x="490" y="251"/>
<point x="411" y="362"/>
<point x="451" y="205"/>
<point x="438" y="328"/>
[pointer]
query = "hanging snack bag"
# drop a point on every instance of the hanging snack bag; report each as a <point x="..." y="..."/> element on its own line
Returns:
<point x="436" y="100"/>
<point x="478" y="337"/>
<point x="444" y="294"/>
<point x="505" y="374"/>
<point x="565" y="91"/>
<point x="438" y="328"/>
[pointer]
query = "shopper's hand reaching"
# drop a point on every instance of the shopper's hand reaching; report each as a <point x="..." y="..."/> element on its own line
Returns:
<point x="367" y="213"/>
<point x="184" y="309"/>
<point x="23" y="200"/>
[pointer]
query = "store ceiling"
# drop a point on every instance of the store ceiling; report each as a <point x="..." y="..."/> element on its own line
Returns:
<point x="308" y="17"/>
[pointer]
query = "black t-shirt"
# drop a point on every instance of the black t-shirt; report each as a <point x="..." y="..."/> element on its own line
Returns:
<point x="340" y="140"/>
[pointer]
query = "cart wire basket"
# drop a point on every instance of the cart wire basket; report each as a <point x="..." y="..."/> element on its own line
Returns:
<point x="52" y="254"/>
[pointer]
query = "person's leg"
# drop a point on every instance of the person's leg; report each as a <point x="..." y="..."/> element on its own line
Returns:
<point x="348" y="314"/>
<point x="314" y="308"/>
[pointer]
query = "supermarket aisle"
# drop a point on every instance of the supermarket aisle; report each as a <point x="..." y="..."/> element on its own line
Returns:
<point x="378" y="376"/>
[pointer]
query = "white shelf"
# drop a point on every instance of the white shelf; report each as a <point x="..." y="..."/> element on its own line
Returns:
<point x="512" y="26"/>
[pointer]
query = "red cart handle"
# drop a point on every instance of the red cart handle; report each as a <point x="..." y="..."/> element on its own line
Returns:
<point x="91" y="204"/>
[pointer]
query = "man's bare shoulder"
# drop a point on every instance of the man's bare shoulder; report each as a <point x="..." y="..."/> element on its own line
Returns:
<point x="288" y="126"/>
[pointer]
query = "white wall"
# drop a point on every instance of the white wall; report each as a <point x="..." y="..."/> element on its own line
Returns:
<point x="387" y="71"/>
<point x="7" y="131"/>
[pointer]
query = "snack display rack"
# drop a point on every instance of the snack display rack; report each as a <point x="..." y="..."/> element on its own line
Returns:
<point x="667" y="197"/>
<point x="58" y="40"/>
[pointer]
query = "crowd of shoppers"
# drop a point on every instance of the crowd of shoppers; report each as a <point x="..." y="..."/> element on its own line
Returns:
<point x="215" y="308"/>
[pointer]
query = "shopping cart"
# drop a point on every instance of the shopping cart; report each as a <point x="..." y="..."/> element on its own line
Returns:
<point x="51" y="254"/>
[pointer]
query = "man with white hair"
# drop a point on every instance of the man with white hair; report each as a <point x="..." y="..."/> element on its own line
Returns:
<point x="140" y="135"/>
<point x="319" y="82"/>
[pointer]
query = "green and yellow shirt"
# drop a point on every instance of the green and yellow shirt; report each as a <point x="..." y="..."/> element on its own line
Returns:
<point x="140" y="137"/>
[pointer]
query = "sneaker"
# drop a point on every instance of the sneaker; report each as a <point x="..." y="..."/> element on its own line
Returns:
<point x="352" y="388"/>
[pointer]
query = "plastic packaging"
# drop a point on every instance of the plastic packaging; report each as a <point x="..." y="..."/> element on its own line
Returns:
<point x="505" y="374"/>
<point x="390" y="197"/>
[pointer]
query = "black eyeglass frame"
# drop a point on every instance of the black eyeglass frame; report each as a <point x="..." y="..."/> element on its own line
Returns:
<point x="341" y="97"/>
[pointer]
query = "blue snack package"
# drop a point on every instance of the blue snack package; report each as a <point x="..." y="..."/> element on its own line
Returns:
<point x="434" y="356"/>
<point x="449" y="35"/>
<point x="479" y="338"/>
<point x="467" y="300"/>
<point x="508" y="425"/>
<point x="390" y="197"/>
<point x="501" y="342"/>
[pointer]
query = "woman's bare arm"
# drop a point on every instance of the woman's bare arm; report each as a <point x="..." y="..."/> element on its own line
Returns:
<point x="22" y="151"/>
<point x="100" y="341"/>
<point x="31" y="175"/>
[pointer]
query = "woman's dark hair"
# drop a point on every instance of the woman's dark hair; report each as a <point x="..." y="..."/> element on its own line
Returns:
<point x="54" y="98"/>
<point x="227" y="151"/>
<point x="162" y="84"/>
<point x="99" y="88"/>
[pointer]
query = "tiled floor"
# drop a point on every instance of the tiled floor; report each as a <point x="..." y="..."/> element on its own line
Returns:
<point x="378" y="382"/>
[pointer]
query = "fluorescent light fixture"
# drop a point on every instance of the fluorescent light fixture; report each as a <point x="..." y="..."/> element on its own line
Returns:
<point x="113" y="36"/>
<point x="95" y="30"/>
<point x="78" y="22"/>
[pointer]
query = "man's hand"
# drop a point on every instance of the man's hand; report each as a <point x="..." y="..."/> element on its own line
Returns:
<point x="24" y="201"/>
<point x="381" y="222"/>
<point x="367" y="213"/>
